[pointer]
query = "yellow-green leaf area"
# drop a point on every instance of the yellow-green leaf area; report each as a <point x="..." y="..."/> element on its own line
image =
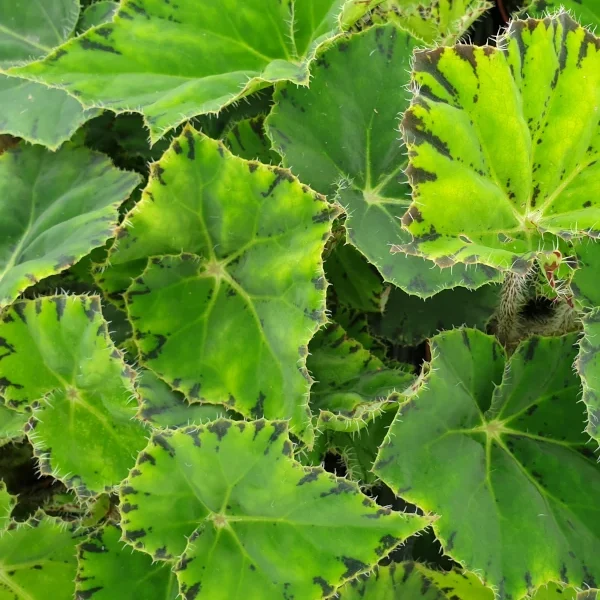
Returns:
<point x="57" y="357"/>
<point x="503" y="146"/>
<point x="260" y="527"/>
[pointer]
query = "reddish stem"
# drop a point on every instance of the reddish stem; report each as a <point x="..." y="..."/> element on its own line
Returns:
<point x="503" y="13"/>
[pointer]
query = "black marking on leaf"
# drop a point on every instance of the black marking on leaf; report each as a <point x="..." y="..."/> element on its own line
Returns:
<point x="189" y="136"/>
<point x="520" y="265"/>
<point x="312" y="475"/>
<point x="287" y="448"/>
<point x="220" y="428"/>
<point x="588" y="578"/>
<point x="327" y="589"/>
<point x="408" y="569"/>
<point x="87" y="594"/>
<point x="563" y="574"/>
<point x="466" y="340"/>
<point x="353" y="566"/>
<point x="145" y="457"/>
<point x="134" y="535"/>
<point x="342" y="487"/>
<point x="195" y="435"/>
<point x="159" y="439"/>
<point x="324" y="216"/>
<point x="190" y="593"/>
<point x="88" y="44"/>
<point x="162" y="554"/>
<point x="128" y="490"/>
<point x="125" y="508"/>
<point x="177" y="147"/>
<point x="381" y="512"/>
<point x="258" y="427"/>
<point x="93" y="548"/>
<point x="532" y="345"/>
<point x="450" y="542"/>
<point x="58" y="54"/>
<point x="156" y="171"/>
<point x="417" y="134"/>
<point x="195" y="391"/>
<point x="467" y="52"/>
<point x="412" y="214"/>
<point x="528" y="581"/>
<point x="319" y="283"/>
<point x="531" y="410"/>
<point x="279" y="427"/>
<point x="416" y="175"/>
<point x="258" y="410"/>
<point x="387" y="542"/>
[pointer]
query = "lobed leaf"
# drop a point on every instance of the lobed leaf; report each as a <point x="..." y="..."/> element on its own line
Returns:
<point x="211" y="54"/>
<point x="259" y="526"/>
<point x="248" y="307"/>
<point x="54" y="209"/>
<point x="352" y="386"/>
<point x="108" y="569"/>
<point x="432" y="21"/>
<point x="588" y="367"/>
<point x="473" y="200"/>
<point x="30" y="110"/>
<point x="37" y="560"/>
<point x="414" y="581"/>
<point x="340" y="136"/>
<point x="495" y="447"/>
<point x="56" y="355"/>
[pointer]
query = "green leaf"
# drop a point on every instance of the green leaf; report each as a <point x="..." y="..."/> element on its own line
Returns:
<point x="54" y="209"/>
<point x="7" y="503"/>
<point x="356" y="283"/>
<point x="442" y="21"/>
<point x="409" y="580"/>
<point x="12" y="424"/>
<point x="352" y="386"/>
<point x="30" y="110"/>
<point x="358" y="448"/>
<point x="254" y="299"/>
<point x="495" y="447"/>
<point x="97" y="14"/>
<point x="408" y="320"/>
<point x="108" y="569"/>
<point x="57" y="350"/>
<point x="247" y="139"/>
<point x="588" y="367"/>
<point x="209" y="55"/>
<point x="37" y="560"/>
<point x="587" y="12"/>
<point x="477" y="202"/>
<point x="163" y="407"/>
<point x="258" y="527"/>
<point x="30" y="30"/>
<point x="584" y="282"/>
<point x="340" y="136"/>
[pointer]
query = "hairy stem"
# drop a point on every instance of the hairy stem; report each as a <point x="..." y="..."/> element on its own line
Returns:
<point x="512" y="300"/>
